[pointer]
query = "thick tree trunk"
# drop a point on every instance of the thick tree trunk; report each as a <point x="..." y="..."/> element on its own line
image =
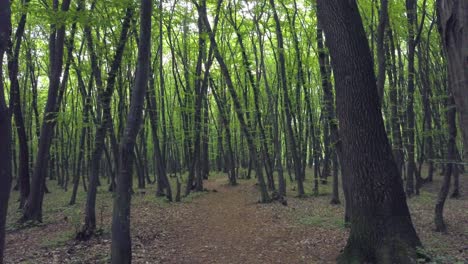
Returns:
<point x="381" y="226"/>
<point x="121" y="248"/>
<point x="453" y="27"/>
<point x="5" y="126"/>
<point x="5" y="154"/>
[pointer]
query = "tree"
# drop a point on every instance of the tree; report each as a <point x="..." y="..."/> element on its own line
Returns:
<point x="265" y="197"/>
<point x="453" y="27"/>
<point x="106" y="123"/>
<point x="13" y="65"/>
<point x="293" y="144"/>
<point x="450" y="167"/>
<point x="410" y="116"/>
<point x="33" y="207"/>
<point x="381" y="29"/>
<point x="381" y="226"/>
<point x="5" y="125"/>
<point x="121" y="249"/>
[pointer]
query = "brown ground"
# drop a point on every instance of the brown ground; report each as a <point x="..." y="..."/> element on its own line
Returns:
<point x="226" y="226"/>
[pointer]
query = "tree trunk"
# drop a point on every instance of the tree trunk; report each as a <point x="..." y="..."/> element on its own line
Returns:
<point x="121" y="248"/>
<point x="383" y="18"/>
<point x="329" y="110"/>
<point x="265" y="197"/>
<point x="453" y="27"/>
<point x="381" y="226"/>
<point x="293" y="148"/>
<point x="449" y="167"/>
<point x="258" y="116"/>
<point x="106" y="123"/>
<point x="195" y="179"/>
<point x="13" y="65"/>
<point x="33" y="207"/>
<point x="222" y="106"/>
<point x="5" y="126"/>
<point x="456" y="182"/>
<point x="410" y="170"/>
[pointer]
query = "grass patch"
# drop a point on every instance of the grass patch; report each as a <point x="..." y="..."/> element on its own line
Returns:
<point x="425" y="197"/>
<point x="329" y="222"/>
<point x="437" y="258"/>
<point x="57" y="240"/>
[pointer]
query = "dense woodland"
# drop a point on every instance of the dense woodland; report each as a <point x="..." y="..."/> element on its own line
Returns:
<point x="369" y="98"/>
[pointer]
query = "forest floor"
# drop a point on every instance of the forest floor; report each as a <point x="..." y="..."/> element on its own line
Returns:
<point x="223" y="225"/>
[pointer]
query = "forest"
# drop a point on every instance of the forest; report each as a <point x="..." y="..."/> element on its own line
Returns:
<point x="233" y="131"/>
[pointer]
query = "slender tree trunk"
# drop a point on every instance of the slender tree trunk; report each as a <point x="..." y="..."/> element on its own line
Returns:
<point x="86" y="101"/>
<point x="265" y="197"/>
<point x="273" y="117"/>
<point x="195" y="180"/>
<point x="33" y="207"/>
<point x="381" y="59"/>
<point x="121" y="248"/>
<point x="410" y="170"/>
<point x="397" y="142"/>
<point x="162" y="181"/>
<point x="222" y="106"/>
<point x="329" y="107"/>
<point x="456" y="182"/>
<point x="293" y="148"/>
<point x="106" y="122"/>
<point x="13" y="65"/>
<point x="258" y="117"/>
<point x="449" y="167"/>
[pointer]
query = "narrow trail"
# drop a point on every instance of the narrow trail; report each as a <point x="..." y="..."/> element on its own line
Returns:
<point x="224" y="225"/>
<point x="228" y="226"/>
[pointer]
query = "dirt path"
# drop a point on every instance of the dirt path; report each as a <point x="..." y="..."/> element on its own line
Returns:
<point x="223" y="226"/>
<point x="228" y="226"/>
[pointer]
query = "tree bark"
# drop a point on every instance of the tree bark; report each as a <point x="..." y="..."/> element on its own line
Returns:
<point x="449" y="167"/>
<point x="121" y="248"/>
<point x="293" y="148"/>
<point x="13" y="65"/>
<point x="33" y="206"/>
<point x="381" y="226"/>
<point x="265" y="197"/>
<point x="106" y="123"/>
<point x="453" y="27"/>
<point x="410" y="170"/>
<point x="383" y="18"/>
<point x="5" y="126"/>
